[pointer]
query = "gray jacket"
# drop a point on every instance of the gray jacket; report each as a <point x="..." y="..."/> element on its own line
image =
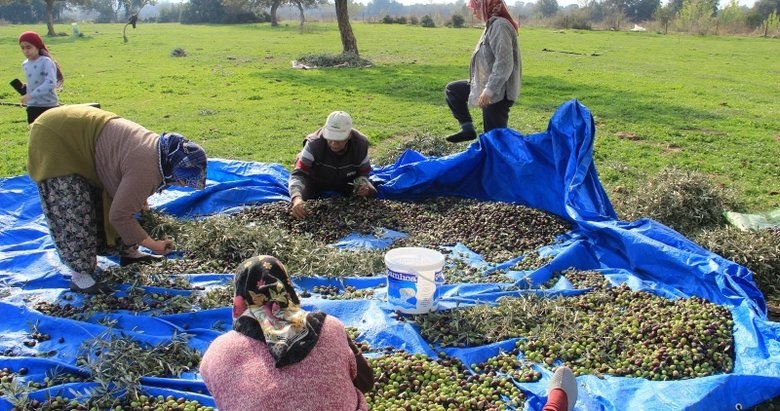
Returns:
<point x="495" y="65"/>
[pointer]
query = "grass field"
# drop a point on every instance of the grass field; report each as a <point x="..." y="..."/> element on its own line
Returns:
<point x="710" y="104"/>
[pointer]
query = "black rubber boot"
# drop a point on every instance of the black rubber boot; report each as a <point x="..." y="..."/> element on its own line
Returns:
<point x="462" y="135"/>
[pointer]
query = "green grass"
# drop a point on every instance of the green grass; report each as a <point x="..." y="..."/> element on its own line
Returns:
<point x="710" y="104"/>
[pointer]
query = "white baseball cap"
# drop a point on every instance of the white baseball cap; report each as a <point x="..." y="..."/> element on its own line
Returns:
<point x="337" y="127"/>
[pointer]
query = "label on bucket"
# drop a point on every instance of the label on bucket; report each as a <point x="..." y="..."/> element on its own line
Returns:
<point x="411" y="293"/>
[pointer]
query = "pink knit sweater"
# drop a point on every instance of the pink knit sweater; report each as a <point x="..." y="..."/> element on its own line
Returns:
<point x="240" y="374"/>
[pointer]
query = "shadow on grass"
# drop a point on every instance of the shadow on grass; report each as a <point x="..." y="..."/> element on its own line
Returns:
<point x="543" y="94"/>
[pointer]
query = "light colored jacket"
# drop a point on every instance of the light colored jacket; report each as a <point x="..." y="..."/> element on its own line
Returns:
<point x="495" y="65"/>
<point x="41" y="76"/>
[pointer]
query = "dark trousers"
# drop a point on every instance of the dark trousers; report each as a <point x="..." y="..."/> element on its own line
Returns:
<point x="312" y="190"/>
<point x="495" y="115"/>
<point x="34" y="112"/>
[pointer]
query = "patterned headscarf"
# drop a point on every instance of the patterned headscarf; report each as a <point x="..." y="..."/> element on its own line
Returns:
<point x="485" y="9"/>
<point x="36" y="40"/>
<point x="181" y="160"/>
<point x="266" y="308"/>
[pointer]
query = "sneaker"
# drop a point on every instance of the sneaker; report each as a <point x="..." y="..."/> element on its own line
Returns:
<point x="97" y="288"/>
<point x="462" y="135"/>
<point x="564" y="379"/>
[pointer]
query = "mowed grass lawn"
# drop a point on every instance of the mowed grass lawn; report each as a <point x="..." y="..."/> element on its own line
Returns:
<point x="709" y="104"/>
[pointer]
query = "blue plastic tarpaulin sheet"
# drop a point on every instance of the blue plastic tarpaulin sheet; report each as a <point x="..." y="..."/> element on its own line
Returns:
<point x="551" y="170"/>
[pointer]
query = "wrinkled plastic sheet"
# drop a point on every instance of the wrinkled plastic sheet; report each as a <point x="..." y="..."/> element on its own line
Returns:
<point x="551" y="170"/>
<point x="757" y="221"/>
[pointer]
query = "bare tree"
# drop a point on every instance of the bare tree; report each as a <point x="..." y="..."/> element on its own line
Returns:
<point x="50" y="13"/>
<point x="133" y="19"/>
<point x="274" y="8"/>
<point x="348" y="41"/>
<point x="299" y="4"/>
<point x="306" y="4"/>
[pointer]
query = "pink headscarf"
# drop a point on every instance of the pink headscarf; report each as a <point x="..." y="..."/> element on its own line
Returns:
<point x="36" y="40"/>
<point x="485" y="9"/>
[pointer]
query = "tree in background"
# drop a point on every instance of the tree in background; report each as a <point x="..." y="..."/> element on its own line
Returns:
<point x="17" y="12"/>
<point x="203" y="11"/>
<point x="305" y="4"/>
<point x="108" y="10"/>
<point x="547" y="8"/>
<point x="766" y="7"/>
<point x="51" y="10"/>
<point x="348" y="41"/>
<point x="697" y="15"/>
<point x="761" y="11"/>
<point x="675" y="5"/>
<point x="457" y="21"/>
<point x="771" y="24"/>
<point x="385" y="8"/>
<point x="633" y="10"/>
<point x="170" y="12"/>
<point x="664" y="16"/>
<point x="642" y="10"/>
<point x="732" y="17"/>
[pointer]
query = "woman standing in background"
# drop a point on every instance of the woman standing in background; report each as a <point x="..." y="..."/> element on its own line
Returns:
<point x="494" y="73"/>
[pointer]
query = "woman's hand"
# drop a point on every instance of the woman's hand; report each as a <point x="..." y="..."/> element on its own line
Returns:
<point x="26" y="98"/>
<point x="161" y="247"/>
<point x="484" y="100"/>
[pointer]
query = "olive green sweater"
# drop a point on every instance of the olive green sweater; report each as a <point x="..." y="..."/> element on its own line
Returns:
<point x="62" y="142"/>
<point x="114" y="154"/>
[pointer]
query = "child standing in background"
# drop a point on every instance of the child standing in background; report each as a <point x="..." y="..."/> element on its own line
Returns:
<point x="42" y="73"/>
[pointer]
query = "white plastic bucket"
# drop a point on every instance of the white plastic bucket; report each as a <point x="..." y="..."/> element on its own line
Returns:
<point x="413" y="279"/>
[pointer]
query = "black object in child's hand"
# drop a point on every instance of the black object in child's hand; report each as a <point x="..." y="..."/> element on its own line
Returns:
<point x="18" y="86"/>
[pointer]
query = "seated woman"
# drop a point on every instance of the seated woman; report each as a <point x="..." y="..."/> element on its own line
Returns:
<point x="279" y="356"/>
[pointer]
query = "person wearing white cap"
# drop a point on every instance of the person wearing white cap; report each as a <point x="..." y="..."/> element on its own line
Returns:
<point x="334" y="158"/>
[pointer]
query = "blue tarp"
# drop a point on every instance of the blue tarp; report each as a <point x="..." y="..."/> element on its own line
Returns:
<point x="551" y="170"/>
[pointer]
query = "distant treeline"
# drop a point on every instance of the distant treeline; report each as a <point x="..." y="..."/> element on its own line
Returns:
<point x="694" y="16"/>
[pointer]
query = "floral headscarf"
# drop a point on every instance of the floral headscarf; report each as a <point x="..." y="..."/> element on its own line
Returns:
<point x="485" y="9"/>
<point x="182" y="161"/>
<point x="266" y="308"/>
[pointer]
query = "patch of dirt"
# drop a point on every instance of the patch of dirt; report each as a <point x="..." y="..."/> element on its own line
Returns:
<point x="628" y="135"/>
<point x="672" y="148"/>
